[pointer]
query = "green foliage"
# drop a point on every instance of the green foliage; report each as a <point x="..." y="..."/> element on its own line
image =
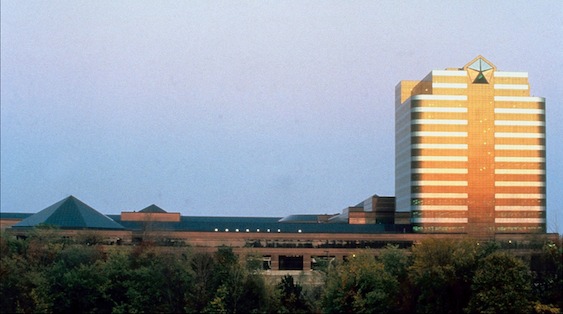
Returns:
<point x="203" y="288"/>
<point x="46" y="273"/>
<point x="22" y="288"/>
<point x="218" y="304"/>
<point x="547" y="270"/>
<point x="360" y="286"/>
<point x="487" y="248"/>
<point x="291" y="296"/>
<point x="502" y="284"/>
<point x="223" y="284"/>
<point x="395" y="261"/>
<point x="76" y="255"/>
<point x="254" y="263"/>
<point x="78" y="290"/>
<point x="441" y="272"/>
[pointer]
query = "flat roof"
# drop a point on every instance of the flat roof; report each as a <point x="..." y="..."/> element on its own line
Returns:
<point x="256" y="224"/>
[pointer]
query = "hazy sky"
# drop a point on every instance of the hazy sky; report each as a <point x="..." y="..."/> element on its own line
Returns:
<point x="250" y="108"/>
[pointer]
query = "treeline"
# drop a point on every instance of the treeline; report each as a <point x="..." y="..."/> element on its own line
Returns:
<point x="48" y="274"/>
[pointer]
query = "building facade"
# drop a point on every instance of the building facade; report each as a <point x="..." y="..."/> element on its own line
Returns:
<point x="470" y="163"/>
<point x="470" y="152"/>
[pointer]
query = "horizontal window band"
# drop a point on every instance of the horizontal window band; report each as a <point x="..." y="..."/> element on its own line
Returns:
<point x="440" y="109"/>
<point x="519" y="123"/>
<point x="449" y="85"/>
<point x="440" y="128"/>
<point x="518" y="135"/>
<point x="439" y="207"/>
<point x="439" y="146"/>
<point x="439" y="134"/>
<point x="439" y="220"/>
<point x="519" y="111"/>
<point x="519" y="99"/>
<point x="439" y="195"/>
<point x="510" y="74"/>
<point x="439" y="183"/>
<point x="519" y="196"/>
<point x="439" y="121"/>
<point x="519" y="171"/>
<point x="520" y="183"/>
<point x="520" y="220"/>
<point x="512" y="86"/>
<point x="519" y="147"/>
<point x="441" y="170"/>
<point x="520" y="208"/>
<point x="439" y="158"/>
<point x="520" y="159"/>
<point x="439" y="97"/>
<point x="449" y="73"/>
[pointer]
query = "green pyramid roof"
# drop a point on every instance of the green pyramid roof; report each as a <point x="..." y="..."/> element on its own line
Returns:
<point x="152" y="209"/>
<point x="70" y="213"/>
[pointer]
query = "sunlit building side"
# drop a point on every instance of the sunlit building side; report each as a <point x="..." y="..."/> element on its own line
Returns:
<point x="470" y="152"/>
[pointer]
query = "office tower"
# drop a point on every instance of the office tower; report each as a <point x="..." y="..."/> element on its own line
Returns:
<point x="470" y="152"/>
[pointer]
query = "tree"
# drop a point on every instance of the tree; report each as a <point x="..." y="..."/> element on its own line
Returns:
<point x="291" y="296"/>
<point x="78" y="290"/>
<point x="23" y="288"/>
<point x="159" y="284"/>
<point x="218" y="303"/>
<point x="502" y="284"/>
<point x="547" y="270"/>
<point x="361" y="285"/>
<point x="441" y="273"/>
<point x="396" y="262"/>
<point x="201" y="292"/>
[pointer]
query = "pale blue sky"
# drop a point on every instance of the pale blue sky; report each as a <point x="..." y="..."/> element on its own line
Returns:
<point x="251" y="108"/>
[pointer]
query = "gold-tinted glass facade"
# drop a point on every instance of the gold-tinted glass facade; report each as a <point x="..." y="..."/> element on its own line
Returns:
<point x="470" y="152"/>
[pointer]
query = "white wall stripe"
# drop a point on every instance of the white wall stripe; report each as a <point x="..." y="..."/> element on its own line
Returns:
<point x="439" y="183"/>
<point x="448" y="73"/>
<point x="519" y="98"/>
<point x="519" y="171"/>
<point x="439" y="195"/>
<point x="439" y="121"/>
<point x="520" y="220"/>
<point x="441" y="170"/>
<point x="512" y="86"/>
<point x="510" y="74"/>
<point x="520" y="208"/>
<point x="439" y="146"/>
<point x="439" y="134"/>
<point x="519" y="196"/>
<point x="519" y="123"/>
<point x="520" y="183"/>
<point x="518" y="135"/>
<point x="519" y="159"/>
<point x="439" y="158"/>
<point x="519" y="147"/>
<point x="439" y="220"/>
<point x="519" y="111"/>
<point x="439" y="207"/>
<point x="439" y="97"/>
<point x="449" y="85"/>
<point x="439" y="109"/>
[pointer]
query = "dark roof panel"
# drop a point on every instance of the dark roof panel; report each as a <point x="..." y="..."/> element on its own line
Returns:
<point x="14" y="215"/>
<point x="300" y="219"/>
<point x="152" y="209"/>
<point x="70" y="213"/>
<point x="256" y="224"/>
